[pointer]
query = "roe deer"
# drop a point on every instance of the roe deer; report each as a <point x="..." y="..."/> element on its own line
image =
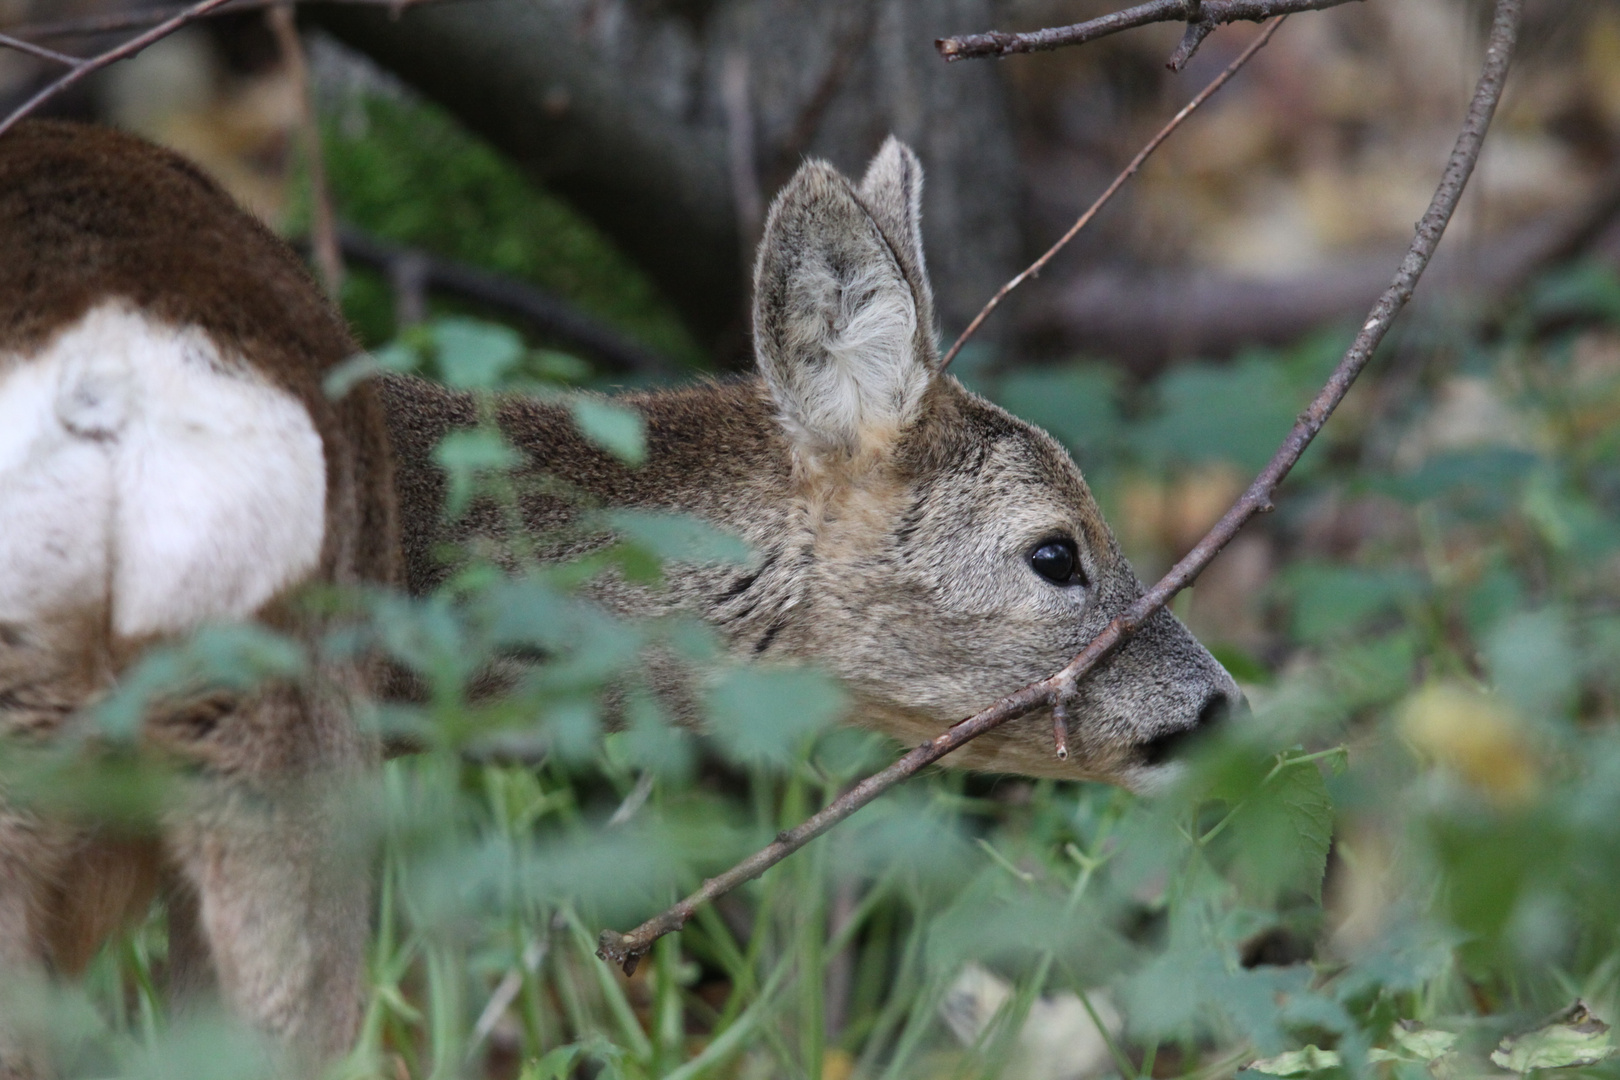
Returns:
<point x="167" y="457"/>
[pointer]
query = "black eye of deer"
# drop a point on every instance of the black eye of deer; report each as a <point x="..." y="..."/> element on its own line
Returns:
<point x="1057" y="561"/>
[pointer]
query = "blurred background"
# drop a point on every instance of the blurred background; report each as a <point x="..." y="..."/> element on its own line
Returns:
<point x="1428" y="626"/>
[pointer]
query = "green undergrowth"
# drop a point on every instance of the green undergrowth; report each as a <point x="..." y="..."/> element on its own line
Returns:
<point x="1402" y="864"/>
<point x="404" y="171"/>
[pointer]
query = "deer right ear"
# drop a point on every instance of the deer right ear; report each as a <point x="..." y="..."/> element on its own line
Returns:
<point x="842" y="330"/>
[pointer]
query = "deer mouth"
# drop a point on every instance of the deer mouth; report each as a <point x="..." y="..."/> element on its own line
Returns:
<point x="1162" y="749"/>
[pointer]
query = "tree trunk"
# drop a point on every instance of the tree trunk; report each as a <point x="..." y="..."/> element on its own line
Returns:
<point x="670" y="124"/>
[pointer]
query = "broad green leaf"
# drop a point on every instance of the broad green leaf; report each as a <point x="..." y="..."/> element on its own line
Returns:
<point x="475" y="355"/>
<point x="558" y="366"/>
<point x="765" y="713"/>
<point x="1235" y="412"/>
<point x="1078" y="405"/>
<point x="466" y="455"/>
<point x="1280" y="833"/>
<point x="620" y="431"/>
<point x="1573" y="1037"/>
<point x="1583" y="289"/>
<point x="362" y="366"/>
<point x="1334" y="601"/>
<point x="1423" y="1043"/>
<point x="1476" y="482"/>
<point x="1298" y="1062"/>
<point x="1533" y="662"/>
<point x="678" y="538"/>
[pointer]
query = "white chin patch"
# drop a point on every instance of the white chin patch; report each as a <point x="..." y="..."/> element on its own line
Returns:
<point x="144" y="470"/>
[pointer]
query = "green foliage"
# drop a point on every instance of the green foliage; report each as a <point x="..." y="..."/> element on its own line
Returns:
<point x="1402" y="859"/>
<point x="406" y="172"/>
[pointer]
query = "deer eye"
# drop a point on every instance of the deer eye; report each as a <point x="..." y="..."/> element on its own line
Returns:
<point x="1057" y="561"/>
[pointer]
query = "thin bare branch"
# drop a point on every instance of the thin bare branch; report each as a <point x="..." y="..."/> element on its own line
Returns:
<point x="1142" y="155"/>
<point x="323" y="239"/>
<point x="89" y="65"/>
<point x="28" y="47"/>
<point x="140" y="20"/>
<point x="1207" y="14"/>
<point x="1059" y="689"/>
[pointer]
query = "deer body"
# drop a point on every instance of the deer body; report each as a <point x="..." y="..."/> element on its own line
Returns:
<point x="168" y="458"/>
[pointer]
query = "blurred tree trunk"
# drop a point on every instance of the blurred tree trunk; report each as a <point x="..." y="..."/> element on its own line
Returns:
<point x="669" y="124"/>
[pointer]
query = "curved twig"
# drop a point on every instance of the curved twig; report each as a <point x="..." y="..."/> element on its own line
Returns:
<point x="1129" y="171"/>
<point x="39" y="52"/>
<point x="139" y="20"/>
<point x="627" y="949"/>
<point x="81" y="68"/>
<point x="1200" y="17"/>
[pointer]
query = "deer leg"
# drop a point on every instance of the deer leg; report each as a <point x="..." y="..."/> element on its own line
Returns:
<point x="29" y="856"/>
<point x="272" y="885"/>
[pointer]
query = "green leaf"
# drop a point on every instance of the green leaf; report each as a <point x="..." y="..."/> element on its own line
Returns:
<point x="1078" y="405"/>
<point x="1241" y="664"/>
<point x="1423" y="1043"/>
<point x="678" y="538"/>
<point x="620" y="431"/>
<point x="1298" y="1062"/>
<point x="475" y="355"/>
<point x="1532" y="659"/>
<point x="1333" y="601"/>
<point x="1572" y="1037"/>
<point x="1585" y="289"/>
<point x="765" y="713"/>
<point x="558" y="366"/>
<point x="1280" y="834"/>
<point x="362" y="366"/>
<point x="1234" y="412"/>
<point x="238" y="656"/>
<point x="1480" y="481"/>
<point x="466" y="455"/>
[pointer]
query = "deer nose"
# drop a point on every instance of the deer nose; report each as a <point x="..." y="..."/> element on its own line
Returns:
<point x="1214" y="711"/>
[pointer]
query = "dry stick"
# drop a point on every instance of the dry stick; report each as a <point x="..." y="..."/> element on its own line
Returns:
<point x="323" y="240"/>
<point x="1034" y="268"/>
<point x="137" y="20"/>
<point x="626" y="949"/>
<point x="82" y="68"/>
<point x="28" y="47"/>
<point x="1206" y="14"/>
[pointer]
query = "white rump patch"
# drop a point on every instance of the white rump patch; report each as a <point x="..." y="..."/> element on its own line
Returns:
<point x="141" y="468"/>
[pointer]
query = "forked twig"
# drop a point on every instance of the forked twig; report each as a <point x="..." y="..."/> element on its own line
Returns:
<point x="1058" y="689"/>
<point x="80" y="68"/>
<point x="1201" y="17"/>
<point x="1142" y="155"/>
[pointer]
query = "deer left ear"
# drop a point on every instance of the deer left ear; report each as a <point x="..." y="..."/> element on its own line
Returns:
<point x="842" y="315"/>
<point x="891" y="191"/>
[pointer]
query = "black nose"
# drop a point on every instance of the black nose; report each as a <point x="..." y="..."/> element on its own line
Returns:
<point x="1216" y="708"/>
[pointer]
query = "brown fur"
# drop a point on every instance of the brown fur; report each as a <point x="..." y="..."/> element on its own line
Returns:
<point x="891" y="512"/>
<point x="86" y="215"/>
<point x="891" y="533"/>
